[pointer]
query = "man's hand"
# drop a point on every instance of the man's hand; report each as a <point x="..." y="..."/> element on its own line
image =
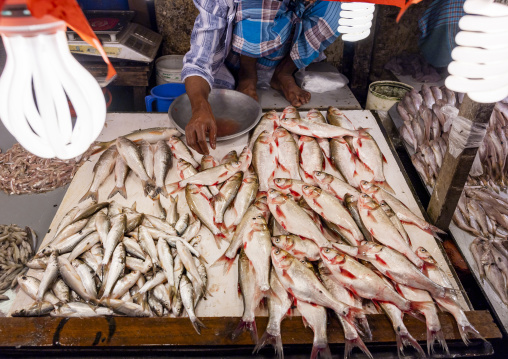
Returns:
<point x="201" y="124"/>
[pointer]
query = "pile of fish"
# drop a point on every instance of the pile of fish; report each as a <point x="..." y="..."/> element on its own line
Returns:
<point x="146" y="153"/>
<point x="482" y="209"/>
<point x="16" y="249"/>
<point x="22" y="172"/>
<point x="304" y="210"/>
<point x="105" y="259"/>
<point x="491" y="257"/>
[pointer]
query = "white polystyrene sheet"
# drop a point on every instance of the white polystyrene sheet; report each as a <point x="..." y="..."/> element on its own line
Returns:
<point x="225" y="299"/>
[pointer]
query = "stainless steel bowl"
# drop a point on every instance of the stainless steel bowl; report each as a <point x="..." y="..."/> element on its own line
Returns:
<point x="242" y="111"/>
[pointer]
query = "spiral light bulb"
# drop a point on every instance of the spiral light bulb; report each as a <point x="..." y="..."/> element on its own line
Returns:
<point x="39" y="80"/>
<point x="355" y="20"/>
<point x="479" y="67"/>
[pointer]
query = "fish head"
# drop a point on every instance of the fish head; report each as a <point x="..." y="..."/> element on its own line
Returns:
<point x="281" y="258"/>
<point x="425" y="256"/>
<point x="307" y="264"/>
<point x="366" y="201"/>
<point x="258" y="223"/>
<point x="193" y="188"/>
<point x="332" y="255"/>
<point x="388" y="210"/>
<point x="251" y="178"/>
<point x="311" y="192"/>
<point x="283" y="184"/>
<point x="333" y="111"/>
<point x="285" y="242"/>
<point x="264" y="137"/>
<point x="368" y="187"/>
<point x="208" y="159"/>
<point x="280" y="133"/>
<point x="233" y="166"/>
<point x="369" y="247"/>
<point x="323" y="178"/>
<point x="290" y="112"/>
<point x="275" y="197"/>
<point x="350" y="199"/>
<point x="245" y="158"/>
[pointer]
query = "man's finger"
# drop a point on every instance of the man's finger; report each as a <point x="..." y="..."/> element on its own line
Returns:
<point x="202" y="141"/>
<point x="190" y="135"/>
<point x="212" y="135"/>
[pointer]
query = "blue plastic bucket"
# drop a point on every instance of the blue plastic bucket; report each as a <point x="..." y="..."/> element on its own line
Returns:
<point x="162" y="96"/>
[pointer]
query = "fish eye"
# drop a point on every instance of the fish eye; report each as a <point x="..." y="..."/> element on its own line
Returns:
<point x="277" y="240"/>
<point x="327" y="250"/>
<point x="277" y="251"/>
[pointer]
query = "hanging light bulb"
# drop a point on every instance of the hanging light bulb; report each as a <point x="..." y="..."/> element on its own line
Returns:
<point x="39" y="80"/>
<point x="480" y="68"/>
<point x="355" y="20"/>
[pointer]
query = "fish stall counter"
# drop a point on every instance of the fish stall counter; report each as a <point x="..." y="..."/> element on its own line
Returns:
<point x="183" y="230"/>
<point x="465" y="225"/>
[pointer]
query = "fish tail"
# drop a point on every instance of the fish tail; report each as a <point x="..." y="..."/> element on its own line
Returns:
<point x="89" y="194"/>
<point x="322" y="350"/>
<point x="356" y="342"/>
<point x="468" y="330"/>
<point x="121" y="190"/>
<point x="405" y="340"/>
<point x="148" y="186"/>
<point x="99" y="147"/>
<point x="434" y="336"/>
<point x="363" y="133"/>
<point x="274" y="340"/>
<point x="224" y="261"/>
<point x="384" y="185"/>
<point x="435" y="230"/>
<point x="197" y="324"/>
<point x="243" y="326"/>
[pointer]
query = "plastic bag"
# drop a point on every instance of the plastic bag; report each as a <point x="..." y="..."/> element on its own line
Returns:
<point x="319" y="82"/>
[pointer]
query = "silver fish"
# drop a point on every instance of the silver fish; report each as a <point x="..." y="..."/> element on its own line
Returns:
<point x="116" y="269"/>
<point x="30" y="286"/>
<point x="320" y="130"/>
<point x="257" y="245"/>
<point x="172" y="211"/>
<point x="73" y="279"/>
<point x="115" y="235"/>
<point x="162" y="163"/>
<point x="338" y="118"/>
<point x="298" y="247"/>
<point x="269" y="122"/>
<point x="251" y="295"/>
<point x="182" y="223"/>
<point x="128" y="308"/>
<point x="101" y="171"/>
<point x="244" y="198"/>
<point x="287" y="153"/>
<point x="147" y="154"/>
<point x="180" y="150"/>
<point x="187" y="295"/>
<point x="48" y="277"/>
<point x="226" y="195"/>
<point x="61" y="290"/>
<point x="124" y="283"/>
<point x="314" y="316"/>
<point x="264" y="160"/>
<point x="121" y="172"/>
<point x="311" y="158"/>
<point x="166" y="260"/>
<point x="132" y="156"/>
<point x="87" y="277"/>
<point x="149" y="244"/>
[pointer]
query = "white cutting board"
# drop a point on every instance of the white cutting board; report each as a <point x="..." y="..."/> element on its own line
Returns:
<point x="225" y="300"/>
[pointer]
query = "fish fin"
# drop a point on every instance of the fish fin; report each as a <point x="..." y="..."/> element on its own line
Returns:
<point x="218" y="238"/>
<point x="468" y="330"/>
<point x="363" y="133"/>
<point x="121" y="190"/>
<point x="406" y="339"/>
<point x="320" y="350"/>
<point x="90" y="194"/>
<point x="226" y="262"/>
<point x="274" y="340"/>
<point x="173" y="188"/>
<point x="148" y="187"/>
<point x="250" y="326"/>
<point x="357" y="342"/>
<point x="197" y="324"/>
<point x="432" y="337"/>
<point x="384" y="185"/>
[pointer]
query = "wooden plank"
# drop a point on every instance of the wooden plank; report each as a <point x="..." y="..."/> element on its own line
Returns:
<point x="175" y="332"/>
<point x="455" y="170"/>
<point x="127" y="74"/>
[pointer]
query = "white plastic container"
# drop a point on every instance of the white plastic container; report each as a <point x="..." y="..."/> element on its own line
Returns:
<point x="384" y="94"/>
<point x="168" y="69"/>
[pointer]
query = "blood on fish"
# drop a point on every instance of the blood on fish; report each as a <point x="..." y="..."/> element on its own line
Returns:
<point x="380" y="260"/>
<point x="347" y="273"/>
<point x="279" y="212"/>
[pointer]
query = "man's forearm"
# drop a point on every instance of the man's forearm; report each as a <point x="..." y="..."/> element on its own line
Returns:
<point x="198" y="90"/>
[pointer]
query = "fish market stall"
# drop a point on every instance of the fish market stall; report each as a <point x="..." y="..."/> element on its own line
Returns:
<point x="478" y="225"/>
<point x="222" y="307"/>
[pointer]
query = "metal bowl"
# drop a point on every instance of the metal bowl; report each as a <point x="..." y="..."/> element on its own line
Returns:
<point x="232" y="109"/>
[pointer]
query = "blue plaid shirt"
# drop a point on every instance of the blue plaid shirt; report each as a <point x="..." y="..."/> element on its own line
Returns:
<point x="211" y="42"/>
